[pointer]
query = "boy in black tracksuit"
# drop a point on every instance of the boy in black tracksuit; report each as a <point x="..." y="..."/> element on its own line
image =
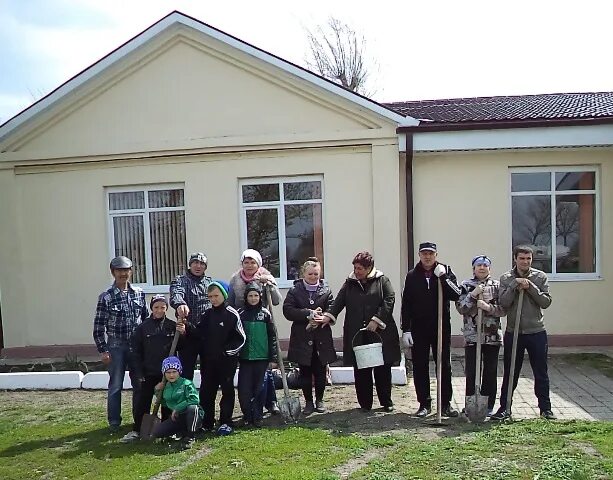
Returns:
<point x="259" y="349"/>
<point x="220" y="336"/>
<point x="151" y="345"/>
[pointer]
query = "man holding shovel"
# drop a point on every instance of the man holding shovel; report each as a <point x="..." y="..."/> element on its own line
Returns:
<point x="479" y="304"/>
<point x="420" y="318"/>
<point x="529" y="287"/>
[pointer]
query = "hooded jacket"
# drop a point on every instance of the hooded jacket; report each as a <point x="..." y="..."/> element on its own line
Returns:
<point x="364" y="301"/>
<point x="297" y="309"/>
<point x="151" y="344"/>
<point x="261" y="340"/>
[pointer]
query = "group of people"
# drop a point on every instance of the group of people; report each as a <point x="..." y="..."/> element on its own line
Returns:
<point x="229" y="325"/>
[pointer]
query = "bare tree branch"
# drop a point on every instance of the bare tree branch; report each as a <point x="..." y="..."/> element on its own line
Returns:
<point x="337" y="52"/>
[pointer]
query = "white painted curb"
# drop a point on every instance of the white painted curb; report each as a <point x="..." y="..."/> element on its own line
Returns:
<point x="344" y="375"/>
<point x="40" y="380"/>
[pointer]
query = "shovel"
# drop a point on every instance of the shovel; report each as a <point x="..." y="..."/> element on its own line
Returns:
<point x="288" y="405"/>
<point x="511" y="380"/>
<point x="476" y="405"/>
<point x="151" y="420"/>
<point x="439" y="356"/>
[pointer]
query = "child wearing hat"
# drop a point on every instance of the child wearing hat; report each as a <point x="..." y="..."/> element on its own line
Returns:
<point x="258" y="351"/>
<point x="150" y="344"/>
<point x="181" y="397"/>
<point x="481" y="293"/>
<point x="220" y="337"/>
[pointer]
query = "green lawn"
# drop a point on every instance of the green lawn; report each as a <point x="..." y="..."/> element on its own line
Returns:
<point x="46" y="435"/>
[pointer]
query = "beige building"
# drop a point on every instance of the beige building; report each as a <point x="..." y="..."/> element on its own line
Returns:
<point x="187" y="139"/>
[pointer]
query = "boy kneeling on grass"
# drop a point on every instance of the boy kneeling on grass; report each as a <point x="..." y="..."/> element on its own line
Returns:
<point x="180" y="396"/>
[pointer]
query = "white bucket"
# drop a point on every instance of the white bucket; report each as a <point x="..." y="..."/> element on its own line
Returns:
<point x="370" y="355"/>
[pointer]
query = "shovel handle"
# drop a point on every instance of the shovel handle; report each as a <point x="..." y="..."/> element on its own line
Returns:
<point x="158" y="397"/>
<point x="274" y="325"/>
<point x="511" y="379"/>
<point x="478" y="349"/>
<point x="439" y="354"/>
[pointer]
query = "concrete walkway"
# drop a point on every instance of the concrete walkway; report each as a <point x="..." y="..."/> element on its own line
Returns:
<point x="580" y="393"/>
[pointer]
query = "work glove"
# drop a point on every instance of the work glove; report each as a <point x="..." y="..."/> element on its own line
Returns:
<point x="477" y="291"/>
<point x="483" y="305"/>
<point x="407" y="341"/>
<point x="440" y="270"/>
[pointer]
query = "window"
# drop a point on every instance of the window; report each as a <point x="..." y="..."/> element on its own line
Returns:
<point x="147" y="225"/>
<point x="282" y="219"/>
<point x="555" y="211"/>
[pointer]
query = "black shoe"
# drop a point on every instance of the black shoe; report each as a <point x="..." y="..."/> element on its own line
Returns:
<point x="274" y="409"/>
<point x="388" y="408"/>
<point x="365" y="409"/>
<point x="308" y="409"/>
<point x="548" y="415"/>
<point x="501" y="415"/>
<point x="187" y="443"/>
<point x="114" y="429"/>
<point x="423" y="411"/>
<point x="320" y="407"/>
<point x="449" y="411"/>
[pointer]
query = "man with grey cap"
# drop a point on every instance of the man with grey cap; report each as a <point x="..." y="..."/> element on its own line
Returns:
<point x="120" y="309"/>
<point x="189" y="299"/>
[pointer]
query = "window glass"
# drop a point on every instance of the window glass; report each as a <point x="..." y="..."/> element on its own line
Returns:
<point x="263" y="236"/>
<point x="575" y="181"/>
<point x="303" y="236"/>
<point x="168" y="250"/>
<point x="130" y="242"/>
<point x="302" y="190"/>
<point x="261" y="193"/>
<point x="126" y="200"/>
<point x="166" y="198"/>
<point x="532" y="226"/>
<point x="530" y="182"/>
<point x="575" y="233"/>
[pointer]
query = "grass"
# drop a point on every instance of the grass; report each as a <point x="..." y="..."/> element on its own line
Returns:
<point x="598" y="361"/>
<point x="55" y="435"/>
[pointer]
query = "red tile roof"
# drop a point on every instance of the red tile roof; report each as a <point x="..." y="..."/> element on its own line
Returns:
<point x="521" y="109"/>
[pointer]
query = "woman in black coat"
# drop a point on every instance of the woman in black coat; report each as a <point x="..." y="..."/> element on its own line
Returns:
<point x="310" y="341"/>
<point x="368" y="297"/>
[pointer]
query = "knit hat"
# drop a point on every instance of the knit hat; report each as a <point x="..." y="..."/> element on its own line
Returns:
<point x="157" y="298"/>
<point x="222" y="286"/>
<point x="251" y="253"/>
<point x="172" y="362"/>
<point x="253" y="287"/>
<point x="482" y="260"/>
<point x="197" y="257"/>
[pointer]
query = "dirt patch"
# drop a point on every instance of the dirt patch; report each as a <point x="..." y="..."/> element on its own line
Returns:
<point x="359" y="462"/>
<point x="193" y="458"/>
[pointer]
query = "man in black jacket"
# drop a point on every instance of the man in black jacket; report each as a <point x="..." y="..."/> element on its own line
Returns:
<point x="420" y="325"/>
<point x="189" y="299"/>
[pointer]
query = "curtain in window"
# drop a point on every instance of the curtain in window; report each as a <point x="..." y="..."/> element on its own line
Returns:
<point x="168" y="250"/>
<point x="130" y="242"/>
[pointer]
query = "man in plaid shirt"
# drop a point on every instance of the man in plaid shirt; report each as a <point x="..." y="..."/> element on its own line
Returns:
<point x="118" y="312"/>
<point x="189" y="298"/>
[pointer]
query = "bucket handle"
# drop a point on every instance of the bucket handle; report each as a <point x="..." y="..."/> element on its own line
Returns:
<point x="364" y="330"/>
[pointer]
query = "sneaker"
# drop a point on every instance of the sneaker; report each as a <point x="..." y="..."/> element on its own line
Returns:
<point x="187" y="443"/>
<point x="308" y="408"/>
<point x="500" y="415"/>
<point x="274" y="409"/>
<point x="490" y="412"/>
<point x="548" y="415"/>
<point x="450" y="412"/>
<point x="320" y="407"/>
<point x="130" y="437"/>
<point x="224" y="429"/>
<point x="423" y="411"/>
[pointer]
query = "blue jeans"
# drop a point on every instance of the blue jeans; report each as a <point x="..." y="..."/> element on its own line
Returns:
<point x="122" y="359"/>
<point x="536" y="346"/>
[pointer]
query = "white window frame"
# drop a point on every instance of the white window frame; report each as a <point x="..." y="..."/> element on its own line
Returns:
<point x="147" y="287"/>
<point x="282" y="281"/>
<point x="552" y="193"/>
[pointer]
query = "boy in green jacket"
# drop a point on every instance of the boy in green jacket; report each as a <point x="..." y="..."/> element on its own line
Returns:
<point x="180" y="396"/>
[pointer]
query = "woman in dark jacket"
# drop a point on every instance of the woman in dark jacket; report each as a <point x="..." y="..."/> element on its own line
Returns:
<point x="310" y="341"/>
<point x="368" y="297"/>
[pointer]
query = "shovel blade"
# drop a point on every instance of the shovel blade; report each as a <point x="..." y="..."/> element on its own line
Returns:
<point x="290" y="408"/>
<point x="476" y="408"/>
<point x="148" y="425"/>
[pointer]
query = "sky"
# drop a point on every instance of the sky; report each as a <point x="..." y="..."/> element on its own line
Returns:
<point x="417" y="49"/>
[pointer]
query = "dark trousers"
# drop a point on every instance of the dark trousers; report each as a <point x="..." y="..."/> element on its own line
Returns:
<point x="186" y="424"/>
<point x="250" y="385"/>
<point x="143" y="402"/>
<point x="383" y="382"/>
<point x="188" y="356"/>
<point x="489" y="371"/>
<point x="423" y="343"/>
<point x="218" y="373"/>
<point x="268" y="394"/>
<point x="315" y="371"/>
<point x="536" y="346"/>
